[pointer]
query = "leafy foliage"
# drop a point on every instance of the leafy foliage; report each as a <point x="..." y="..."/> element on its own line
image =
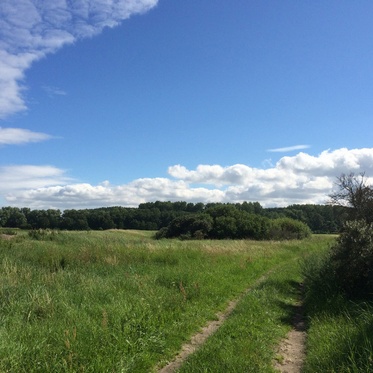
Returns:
<point x="348" y="269"/>
<point x="188" y="226"/>
<point x="227" y="222"/>
<point x="289" y="229"/>
<point x="242" y="218"/>
<point x="352" y="258"/>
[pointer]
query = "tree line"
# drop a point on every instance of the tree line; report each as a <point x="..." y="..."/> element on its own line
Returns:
<point x="159" y="214"/>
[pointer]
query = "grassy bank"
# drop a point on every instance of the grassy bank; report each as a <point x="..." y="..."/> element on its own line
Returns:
<point x="120" y="301"/>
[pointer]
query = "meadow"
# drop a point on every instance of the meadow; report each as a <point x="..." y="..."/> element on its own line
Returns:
<point x="120" y="301"/>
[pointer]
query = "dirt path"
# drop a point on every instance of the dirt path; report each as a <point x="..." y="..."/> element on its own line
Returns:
<point x="198" y="339"/>
<point x="291" y="351"/>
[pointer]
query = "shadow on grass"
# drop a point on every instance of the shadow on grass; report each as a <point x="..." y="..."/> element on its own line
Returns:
<point x="293" y="307"/>
<point x="344" y="340"/>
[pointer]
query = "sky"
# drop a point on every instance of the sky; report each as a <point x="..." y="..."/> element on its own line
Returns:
<point x="120" y="102"/>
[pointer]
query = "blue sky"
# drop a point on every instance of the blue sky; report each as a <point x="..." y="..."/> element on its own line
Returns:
<point x="107" y="103"/>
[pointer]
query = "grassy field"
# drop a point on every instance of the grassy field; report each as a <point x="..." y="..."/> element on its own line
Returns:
<point x="119" y="301"/>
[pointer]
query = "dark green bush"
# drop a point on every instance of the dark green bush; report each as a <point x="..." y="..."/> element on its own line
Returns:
<point x="226" y="222"/>
<point x="288" y="229"/>
<point x="196" y="226"/>
<point x="162" y="233"/>
<point x="352" y="258"/>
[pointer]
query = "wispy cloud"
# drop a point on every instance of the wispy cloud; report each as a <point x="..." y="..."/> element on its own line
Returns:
<point x="31" y="29"/>
<point x="19" y="178"/>
<point x="54" y="91"/>
<point x="289" y="148"/>
<point x="17" y="136"/>
<point x="302" y="178"/>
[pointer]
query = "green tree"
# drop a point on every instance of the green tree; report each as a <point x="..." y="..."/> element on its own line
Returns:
<point x="100" y="219"/>
<point x="188" y="226"/>
<point x="74" y="220"/>
<point x="13" y="217"/>
<point x="224" y="227"/>
<point x="253" y="226"/>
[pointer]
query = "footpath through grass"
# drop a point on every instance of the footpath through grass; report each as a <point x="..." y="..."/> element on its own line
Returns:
<point x="122" y="302"/>
<point x="246" y="342"/>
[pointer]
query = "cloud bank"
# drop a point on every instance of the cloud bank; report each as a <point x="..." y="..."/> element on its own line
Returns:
<point x="31" y="29"/>
<point x="299" y="179"/>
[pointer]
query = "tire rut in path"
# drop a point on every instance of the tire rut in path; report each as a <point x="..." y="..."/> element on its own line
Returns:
<point x="291" y="351"/>
<point x="199" y="339"/>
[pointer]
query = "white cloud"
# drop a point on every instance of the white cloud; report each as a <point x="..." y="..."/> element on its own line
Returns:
<point x="104" y="194"/>
<point x="289" y="148"/>
<point x="31" y="29"/>
<point x="15" y="136"/>
<point x="17" y="180"/>
<point x="302" y="178"/>
<point x="337" y="161"/>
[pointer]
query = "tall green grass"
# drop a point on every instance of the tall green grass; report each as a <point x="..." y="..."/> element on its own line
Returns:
<point x="246" y="342"/>
<point x="118" y="301"/>
<point x="340" y="334"/>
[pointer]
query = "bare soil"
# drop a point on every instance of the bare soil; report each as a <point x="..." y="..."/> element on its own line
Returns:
<point x="291" y="351"/>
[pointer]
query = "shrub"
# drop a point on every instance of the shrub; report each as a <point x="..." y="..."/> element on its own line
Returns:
<point x="253" y="226"/>
<point x="288" y="229"/>
<point x="352" y="258"/>
<point x="188" y="226"/>
<point x="162" y="233"/>
<point x="43" y="234"/>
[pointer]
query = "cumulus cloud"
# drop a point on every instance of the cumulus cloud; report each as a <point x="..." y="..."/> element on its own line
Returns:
<point x="31" y="29"/>
<point x="300" y="179"/>
<point x="338" y="161"/>
<point x="130" y="195"/>
<point x="16" y="136"/>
